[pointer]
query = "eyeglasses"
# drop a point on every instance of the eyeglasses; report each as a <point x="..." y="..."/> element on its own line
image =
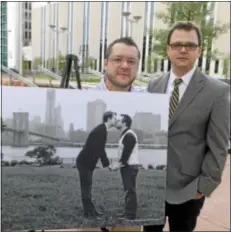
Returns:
<point x="119" y="61"/>
<point x="187" y="46"/>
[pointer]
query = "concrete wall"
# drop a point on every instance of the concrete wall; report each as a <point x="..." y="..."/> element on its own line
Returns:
<point x="222" y="14"/>
<point x="90" y="30"/>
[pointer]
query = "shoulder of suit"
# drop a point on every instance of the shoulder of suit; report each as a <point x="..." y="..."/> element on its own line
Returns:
<point x="216" y="84"/>
<point x="97" y="128"/>
<point x="130" y="134"/>
<point x="156" y="79"/>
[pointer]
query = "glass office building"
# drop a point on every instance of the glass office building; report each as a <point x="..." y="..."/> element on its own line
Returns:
<point x="4" y="34"/>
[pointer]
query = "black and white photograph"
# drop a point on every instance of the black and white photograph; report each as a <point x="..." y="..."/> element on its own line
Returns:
<point x="82" y="159"/>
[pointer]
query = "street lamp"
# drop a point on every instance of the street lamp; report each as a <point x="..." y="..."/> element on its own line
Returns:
<point x="52" y="27"/>
<point x="61" y="30"/>
<point x="134" y="19"/>
<point x="83" y="51"/>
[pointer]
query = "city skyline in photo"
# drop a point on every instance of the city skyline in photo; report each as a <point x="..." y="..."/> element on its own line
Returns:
<point x="56" y="106"/>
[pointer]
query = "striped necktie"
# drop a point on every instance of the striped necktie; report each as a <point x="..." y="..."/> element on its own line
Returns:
<point x="174" y="100"/>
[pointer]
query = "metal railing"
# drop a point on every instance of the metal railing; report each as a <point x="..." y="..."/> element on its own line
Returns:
<point x="17" y="76"/>
<point x="96" y="73"/>
<point x="51" y="74"/>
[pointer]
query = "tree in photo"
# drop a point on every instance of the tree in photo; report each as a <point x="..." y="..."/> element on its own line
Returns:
<point x="200" y="13"/>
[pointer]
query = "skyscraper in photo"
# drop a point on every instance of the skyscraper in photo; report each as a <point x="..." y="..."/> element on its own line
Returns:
<point x="95" y="111"/>
<point x="50" y="107"/>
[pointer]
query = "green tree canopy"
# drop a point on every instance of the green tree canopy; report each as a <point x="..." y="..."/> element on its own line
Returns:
<point x="197" y="12"/>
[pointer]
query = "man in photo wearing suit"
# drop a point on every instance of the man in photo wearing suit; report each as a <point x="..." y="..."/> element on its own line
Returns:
<point x="199" y="129"/>
<point x="86" y="161"/>
<point x="128" y="163"/>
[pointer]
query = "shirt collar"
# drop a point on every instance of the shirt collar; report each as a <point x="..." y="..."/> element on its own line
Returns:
<point x="186" y="78"/>
<point x="102" y="86"/>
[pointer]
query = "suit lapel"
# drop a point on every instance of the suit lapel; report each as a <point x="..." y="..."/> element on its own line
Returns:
<point x="194" y="87"/>
<point x="161" y="86"/>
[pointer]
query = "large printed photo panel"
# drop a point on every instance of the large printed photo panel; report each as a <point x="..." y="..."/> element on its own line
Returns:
<point x="82" y="159"/>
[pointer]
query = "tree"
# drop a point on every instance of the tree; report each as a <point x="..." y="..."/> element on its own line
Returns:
<point x="61" y="61"/>
<point x="44" y="155"/>
<point x="37" y="61"/>
<point x="197" y="12"/>
<point x="226" y="68"/>
<point x="3" y="125"/>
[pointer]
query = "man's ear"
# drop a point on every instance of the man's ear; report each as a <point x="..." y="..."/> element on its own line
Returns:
<point x="200" y="51"/>
<point x="105" y="63"/>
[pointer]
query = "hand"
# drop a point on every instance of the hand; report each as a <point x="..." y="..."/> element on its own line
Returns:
<point x="114" y="166"/>
<point x="111" y="168"/>
<point x="199" y="195"/>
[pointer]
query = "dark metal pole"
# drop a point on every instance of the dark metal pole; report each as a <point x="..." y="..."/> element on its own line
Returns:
<point x="53" y="68"/>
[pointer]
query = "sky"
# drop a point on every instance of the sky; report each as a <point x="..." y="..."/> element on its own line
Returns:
<point x="74" y="103"/>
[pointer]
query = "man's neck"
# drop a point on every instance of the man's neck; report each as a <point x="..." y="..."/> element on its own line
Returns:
<point x="180" y="72"/>
<point x="107" y="126"/>
<point x="124" y="129"/>
<point x="112" y="87"/>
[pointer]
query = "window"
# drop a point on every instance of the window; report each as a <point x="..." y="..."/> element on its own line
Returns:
<point x="29" y="35"/>
<point x="26" y="15"/>
<point x="26" y="25"/>
<point x="30" y="25"/>
<point x="26" y="34"/>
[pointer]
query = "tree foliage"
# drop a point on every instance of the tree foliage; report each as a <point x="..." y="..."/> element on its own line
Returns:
<point x="197" y="12"/>
<point x="44" y="155"/>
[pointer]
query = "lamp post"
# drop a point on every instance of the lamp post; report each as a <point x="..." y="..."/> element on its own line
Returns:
<point x="83" y="51"/>
<point x="134" y="19"/>
<point x="9" y="52"/>
<point x="58" y="31"/>
<point x="52" y="27"/>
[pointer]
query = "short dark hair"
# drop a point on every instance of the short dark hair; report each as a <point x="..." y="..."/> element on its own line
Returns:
<point x="186" y="26"/>
<point x="108" y="115"/>
<point x="124" y="40"/>
<point x="127" y="120"/>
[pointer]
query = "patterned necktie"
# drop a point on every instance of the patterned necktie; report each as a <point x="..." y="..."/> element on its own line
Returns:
<point x="174" y="100"/>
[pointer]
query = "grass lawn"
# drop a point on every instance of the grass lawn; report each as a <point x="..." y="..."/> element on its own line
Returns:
<point x="49" y="197"/>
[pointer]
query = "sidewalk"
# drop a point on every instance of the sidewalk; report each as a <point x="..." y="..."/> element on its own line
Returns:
<point x="215" y="215"/>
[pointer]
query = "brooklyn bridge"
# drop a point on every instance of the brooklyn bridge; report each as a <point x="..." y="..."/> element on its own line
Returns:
<point x="21" y="136"/>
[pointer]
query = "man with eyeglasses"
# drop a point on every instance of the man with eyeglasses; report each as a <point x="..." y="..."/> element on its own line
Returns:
<point x="199" y="129"/>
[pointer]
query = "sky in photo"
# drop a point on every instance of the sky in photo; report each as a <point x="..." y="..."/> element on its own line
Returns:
<point x="74" y="103"/>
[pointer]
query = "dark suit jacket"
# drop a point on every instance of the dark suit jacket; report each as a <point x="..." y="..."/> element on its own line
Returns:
<point x="94" y="149"/>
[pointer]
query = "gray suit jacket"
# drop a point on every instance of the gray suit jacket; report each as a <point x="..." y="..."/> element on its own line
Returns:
<point x="199" y="133"/>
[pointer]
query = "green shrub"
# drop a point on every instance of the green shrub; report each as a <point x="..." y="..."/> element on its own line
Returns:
<point x="13" y="163"/>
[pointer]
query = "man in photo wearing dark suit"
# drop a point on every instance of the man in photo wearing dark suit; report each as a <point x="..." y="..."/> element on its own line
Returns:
<point x="86" y="161"/>
<point x="128" y="155"/>
<point x="199" y="129"/>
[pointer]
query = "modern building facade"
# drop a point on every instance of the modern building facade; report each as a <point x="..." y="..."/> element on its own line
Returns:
<point x="18" y="31"/>
<point x="4" y="34"/>
<point x="27" y="6"/>
<point x="147" y="122"/>
<point x="77" y="27"/>
<point x="95" y="111"/>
